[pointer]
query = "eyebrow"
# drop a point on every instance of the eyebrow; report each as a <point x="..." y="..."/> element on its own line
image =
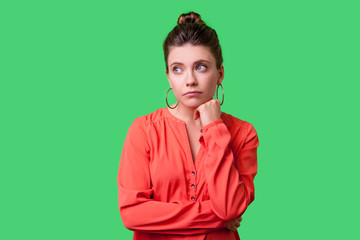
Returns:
<point x="198" y="61"/>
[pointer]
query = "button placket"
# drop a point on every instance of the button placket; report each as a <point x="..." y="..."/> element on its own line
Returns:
<point x="192" y="189"/>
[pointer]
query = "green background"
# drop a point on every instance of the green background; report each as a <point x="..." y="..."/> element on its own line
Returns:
<point x="75" y="74"/>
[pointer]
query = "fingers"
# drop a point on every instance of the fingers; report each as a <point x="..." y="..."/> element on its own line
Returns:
<point x="196" y="114"/>
<point x="233" y="225"/>
<point x="208" y="111"/>
<point x="233" y="228"/>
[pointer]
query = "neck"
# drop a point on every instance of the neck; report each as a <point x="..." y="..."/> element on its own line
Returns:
<point x="185" y="114"/>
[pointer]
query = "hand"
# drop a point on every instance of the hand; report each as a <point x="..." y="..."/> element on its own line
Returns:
<point x="234" y="224"/>
<point x="208" y="112"/>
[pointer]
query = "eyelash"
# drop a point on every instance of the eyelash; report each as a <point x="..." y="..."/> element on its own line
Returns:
<point x="174" y="68"/>
<point x="202" y="66"/>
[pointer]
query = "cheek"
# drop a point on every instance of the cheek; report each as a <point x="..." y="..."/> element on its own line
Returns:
<point x="211" y="82"/>
<point x="211" y="76"/>
<point x="212" y="86"/>
<point x="175" y="89"/>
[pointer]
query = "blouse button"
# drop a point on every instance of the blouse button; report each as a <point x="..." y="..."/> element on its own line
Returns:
<point x="193" y="173"/>
<point x="192" y="198"/>
<point x="192" y="185"/>
<point x="200" y="130"/>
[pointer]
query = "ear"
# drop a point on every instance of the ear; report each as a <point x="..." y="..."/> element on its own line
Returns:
<point x="167" y="75"/>
<point x="220" y="74"/>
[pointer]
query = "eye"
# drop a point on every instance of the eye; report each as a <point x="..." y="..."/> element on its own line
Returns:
<point x="201" y="67"/>
<point x="176" y="70"/>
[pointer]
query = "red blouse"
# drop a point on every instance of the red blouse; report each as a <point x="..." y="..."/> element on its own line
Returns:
<point x="164" y="194"/>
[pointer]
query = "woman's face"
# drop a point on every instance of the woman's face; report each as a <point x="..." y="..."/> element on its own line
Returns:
<point x="193" y="68"/>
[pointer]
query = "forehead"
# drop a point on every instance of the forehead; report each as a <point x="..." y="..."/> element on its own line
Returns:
<point x="189" y="53"/>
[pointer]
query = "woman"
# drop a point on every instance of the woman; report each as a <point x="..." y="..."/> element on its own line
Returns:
<point x="187" y="171"/>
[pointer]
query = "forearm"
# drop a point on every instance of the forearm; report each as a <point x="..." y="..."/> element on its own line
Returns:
<point x="152" y="216"/>
<point x="230" y="191"/>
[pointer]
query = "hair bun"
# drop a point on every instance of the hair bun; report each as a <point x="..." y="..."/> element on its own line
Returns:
<point x="190" y="17"/>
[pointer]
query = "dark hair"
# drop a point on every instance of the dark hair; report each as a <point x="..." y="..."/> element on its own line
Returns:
<point x="191" y="29"/>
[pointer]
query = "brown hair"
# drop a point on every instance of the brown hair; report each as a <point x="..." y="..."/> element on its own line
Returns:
<point x="191" y="29"/>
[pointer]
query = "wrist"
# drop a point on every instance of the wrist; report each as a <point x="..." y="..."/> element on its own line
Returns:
<point x="208" y="125"/>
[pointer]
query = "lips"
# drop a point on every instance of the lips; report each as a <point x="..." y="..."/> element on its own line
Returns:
<point x="192" y="93"/>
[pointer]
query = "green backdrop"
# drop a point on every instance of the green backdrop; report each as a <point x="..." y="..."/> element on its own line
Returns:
<point x="75" y="74"/>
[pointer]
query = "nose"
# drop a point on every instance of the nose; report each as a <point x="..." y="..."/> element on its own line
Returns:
<point x="191" y="79"/>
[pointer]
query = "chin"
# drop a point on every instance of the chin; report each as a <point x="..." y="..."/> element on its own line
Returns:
<point x="193" y="105"/>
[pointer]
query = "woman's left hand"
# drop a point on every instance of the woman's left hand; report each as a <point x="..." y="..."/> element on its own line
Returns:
<point x="233" y="225"/>
<point x="208" y="112"/>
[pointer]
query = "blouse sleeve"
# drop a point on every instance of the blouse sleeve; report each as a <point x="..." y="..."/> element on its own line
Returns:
<point x="139" y="212"/>
<point x="229" y="174"/>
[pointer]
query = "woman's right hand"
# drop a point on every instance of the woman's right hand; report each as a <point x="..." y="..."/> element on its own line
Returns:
<point x="234" y="224"/>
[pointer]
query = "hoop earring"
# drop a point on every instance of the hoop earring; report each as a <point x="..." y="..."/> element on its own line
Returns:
<point x="217" y="88"/>
<point x="167" y="100"/>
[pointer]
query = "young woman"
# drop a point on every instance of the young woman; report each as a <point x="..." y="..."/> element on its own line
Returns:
<point x="186" y="171"/>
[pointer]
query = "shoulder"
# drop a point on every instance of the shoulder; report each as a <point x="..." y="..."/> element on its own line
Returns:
<point x="235" y="123"/>
<point x="150" y="117"/>
<point x="139" y="130"/>
<point x="238" y="127"/>
<point x="242" y="132"/>
<point x="144" y="121"/>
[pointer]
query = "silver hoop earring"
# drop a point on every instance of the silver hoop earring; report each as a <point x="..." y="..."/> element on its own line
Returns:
<point x="217" y="88"/>
<point x="167" y="100"/>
